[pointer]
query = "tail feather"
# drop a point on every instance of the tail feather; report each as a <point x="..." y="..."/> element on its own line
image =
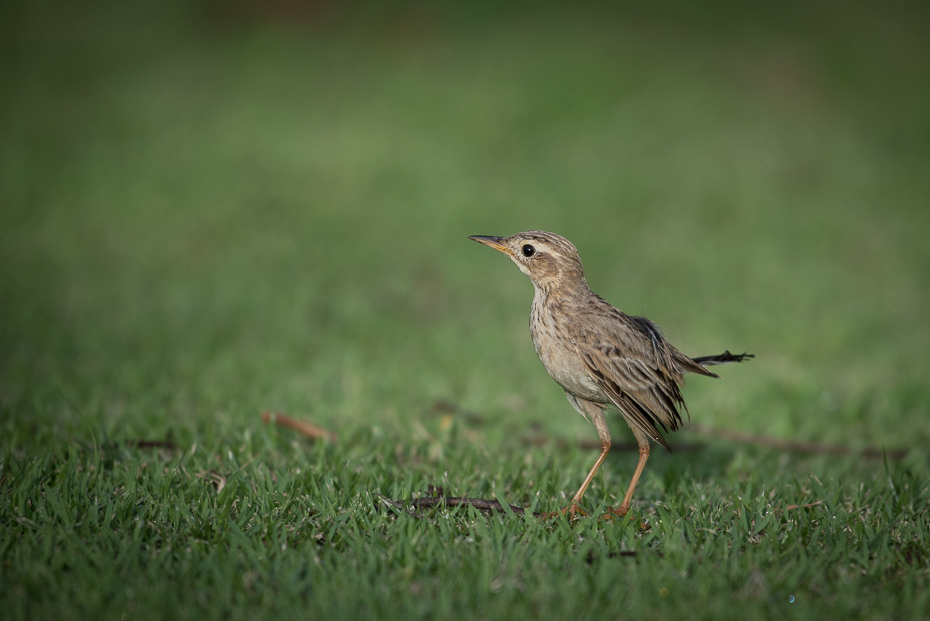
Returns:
<point x="723" y="358"/>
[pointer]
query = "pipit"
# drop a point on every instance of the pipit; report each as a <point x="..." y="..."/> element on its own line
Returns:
<point x="602" y="357"/>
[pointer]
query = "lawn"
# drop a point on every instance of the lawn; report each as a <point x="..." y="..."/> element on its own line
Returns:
<point x="211" y="210"/>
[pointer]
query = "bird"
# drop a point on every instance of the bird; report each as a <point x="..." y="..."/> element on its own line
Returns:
<point x="602" y="357"/>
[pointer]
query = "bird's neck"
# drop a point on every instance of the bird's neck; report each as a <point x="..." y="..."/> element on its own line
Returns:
<point x="561" y="288"/>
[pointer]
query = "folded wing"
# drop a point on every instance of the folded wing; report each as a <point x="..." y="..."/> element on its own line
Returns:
<point x="638" y="370"/>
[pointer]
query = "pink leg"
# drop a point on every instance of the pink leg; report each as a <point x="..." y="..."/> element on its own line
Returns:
<point x="624" y="508"/>
<point x="594" y="413"/>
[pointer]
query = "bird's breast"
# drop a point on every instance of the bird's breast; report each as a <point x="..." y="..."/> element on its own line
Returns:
<point x="559" y="355"/>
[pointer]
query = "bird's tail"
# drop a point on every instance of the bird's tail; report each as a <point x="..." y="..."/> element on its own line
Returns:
<point x="723" y="358"/>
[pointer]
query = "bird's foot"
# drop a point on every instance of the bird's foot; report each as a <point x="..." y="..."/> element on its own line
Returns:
<point x="613" y="513"/>
<point x="572" y="511"/>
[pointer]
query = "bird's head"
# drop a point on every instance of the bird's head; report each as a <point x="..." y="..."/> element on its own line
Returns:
<point x="548" y="259"/>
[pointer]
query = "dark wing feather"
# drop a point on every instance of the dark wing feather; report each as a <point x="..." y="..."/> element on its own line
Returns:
<point x="638" y="414"/>
<point x="638" y="370"/>
<point x="686" y="364"/>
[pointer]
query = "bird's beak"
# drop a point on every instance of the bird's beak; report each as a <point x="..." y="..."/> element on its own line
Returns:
<point x="493" y="242"/>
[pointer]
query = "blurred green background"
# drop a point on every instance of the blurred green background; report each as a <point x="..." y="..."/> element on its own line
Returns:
<point x="208" y="209"/>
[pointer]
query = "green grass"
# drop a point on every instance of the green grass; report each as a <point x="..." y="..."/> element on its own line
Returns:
<point x="211" y="210"/>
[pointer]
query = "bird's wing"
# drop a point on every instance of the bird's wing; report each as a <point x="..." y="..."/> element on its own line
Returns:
<point x="637" y="369"/>
<point x="633" y="409"/>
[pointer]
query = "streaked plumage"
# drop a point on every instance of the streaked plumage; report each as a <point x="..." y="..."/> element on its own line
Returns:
<point x="601" y="356"/>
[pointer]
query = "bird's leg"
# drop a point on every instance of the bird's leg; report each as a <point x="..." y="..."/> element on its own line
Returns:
<point x="643" y="440"/>
<point x="573" y="508"/>
<point x="605" y="448"/>
<point x="595" y="414"/>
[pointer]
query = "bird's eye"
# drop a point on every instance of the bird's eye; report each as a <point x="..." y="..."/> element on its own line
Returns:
<point x="528" y="251"/>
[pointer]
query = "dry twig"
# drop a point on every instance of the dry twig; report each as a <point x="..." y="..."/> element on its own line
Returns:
<point x="438" y="498"/>
<point x="740" y="437"/>
<point x="795" y="445"/>
<point x="311" y="431"/>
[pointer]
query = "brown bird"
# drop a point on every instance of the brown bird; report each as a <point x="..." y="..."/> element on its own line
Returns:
<point x="601" y="356"/>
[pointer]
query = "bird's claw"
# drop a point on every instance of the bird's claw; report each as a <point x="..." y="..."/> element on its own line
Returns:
<point x="614" y="513"/>
<point x="572" y="511"/>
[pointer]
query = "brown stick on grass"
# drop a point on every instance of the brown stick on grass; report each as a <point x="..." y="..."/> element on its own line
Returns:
<point x="452" y="501"/>
<point x="796" y="445"/>
<point x="311" y="431"/>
